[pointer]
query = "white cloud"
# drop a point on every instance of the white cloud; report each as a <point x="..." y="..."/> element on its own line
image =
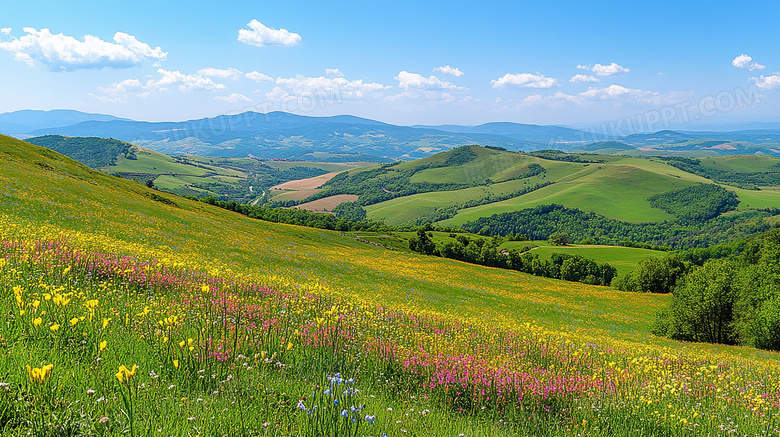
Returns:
<point x="527" y="80"/>
<point x="583" y="67"/>
<point x="614" y="91"/>
<point x="745" y="62"/>
<point x="65" y="53"/>
<point x="168" y="79"/>
<point x="431" y="88"/>
<point x="278" y="95"/>
<point x="107" y="99"/>
<point x="230" y="73"/>
<point x="347" y="89"/>
<point x="334" y="72"/>
<point x="609" y="70"/>
<point x="186" y="82"/>
<point x="5" y="31"/>
<point x="582" y="78"/>
<point x="768" y="82"/>
<point x="446" y="69"/>
<point x="261" y="36"/>
<point x="259" y="77"/>
<point x="122" y="87"/>
<point x="557" y="97"/>
<point x="408" y="80"/>
<point x="234" y="98"/>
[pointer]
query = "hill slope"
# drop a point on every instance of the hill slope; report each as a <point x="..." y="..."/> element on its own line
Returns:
<point x="401" y="324"/>
<point x="57" y="190"/>
<point x="484" y="181"/>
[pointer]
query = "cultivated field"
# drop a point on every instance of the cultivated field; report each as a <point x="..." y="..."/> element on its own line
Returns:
<point x="327" y="204"/>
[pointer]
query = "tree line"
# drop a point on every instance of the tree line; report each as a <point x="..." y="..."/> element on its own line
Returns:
<point x="486" y="252"/>
<point x="730" y="301"/>
<point x="542" y="221"/>
<point x="746" y="180"/>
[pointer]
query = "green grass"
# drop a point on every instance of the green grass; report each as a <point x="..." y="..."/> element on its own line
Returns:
<point x="409" y="208"/>
<point x="617" y="189"/>
<point x="614" y="190"/>
<point x="149" y="161"/>
<point x="743" y="163"/>
<point x="446" y="307"/>
<point x="624" y="259"/>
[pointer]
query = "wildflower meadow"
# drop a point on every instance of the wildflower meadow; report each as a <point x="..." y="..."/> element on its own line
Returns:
<point x="128" y="316"/>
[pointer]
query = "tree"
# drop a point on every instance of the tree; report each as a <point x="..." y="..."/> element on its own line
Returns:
<point x="559" y="239"/>
<point x="150" y="183"/>
<point x="423" y="243"/>
<point x="702" y="305"/>
<point x="757" y="309"/>
<point x="654" y="275"/>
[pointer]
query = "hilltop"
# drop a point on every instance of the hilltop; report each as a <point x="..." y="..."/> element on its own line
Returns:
<point x="615" y="187"/>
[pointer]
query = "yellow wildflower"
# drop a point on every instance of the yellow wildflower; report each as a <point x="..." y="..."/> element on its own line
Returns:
<point x="124" y="374"/>
<point x="40" y="375"/>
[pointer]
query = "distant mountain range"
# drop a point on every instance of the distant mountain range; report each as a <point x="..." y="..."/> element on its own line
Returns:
<point x="344" y="137"/>
<point x="22" y="122"/>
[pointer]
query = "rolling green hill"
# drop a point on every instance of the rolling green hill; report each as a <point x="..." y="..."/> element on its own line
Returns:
<point x="613" y="186"/>
<point x="241" y="179"/>
<point x="654" y="201"/>
<point x="102" y="273"/>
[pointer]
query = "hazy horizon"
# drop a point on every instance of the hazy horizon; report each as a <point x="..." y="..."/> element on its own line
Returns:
<point x="407" y="64"/>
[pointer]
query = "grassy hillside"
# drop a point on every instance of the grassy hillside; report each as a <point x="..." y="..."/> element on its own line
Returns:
<point x="483" y="181"/>
<point x="226" y="316"/>
<point x="617" y="188"/>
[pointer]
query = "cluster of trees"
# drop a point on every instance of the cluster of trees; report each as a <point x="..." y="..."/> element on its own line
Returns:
<point x="542" y="221"/>
<point x="730" y="301"/>
<point x="486" y="252"/>
<point x="746" y="180"/>
<point x="350" y="211"/>
<point x="93" y="152"/>
<point x="699" y="202"/>
<point x="654" y="275"/>
<point x="558" y="155"/>
<point x="298" y="217"/>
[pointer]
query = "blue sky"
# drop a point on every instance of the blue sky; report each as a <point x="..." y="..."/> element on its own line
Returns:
<point x="399" y="62"/>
